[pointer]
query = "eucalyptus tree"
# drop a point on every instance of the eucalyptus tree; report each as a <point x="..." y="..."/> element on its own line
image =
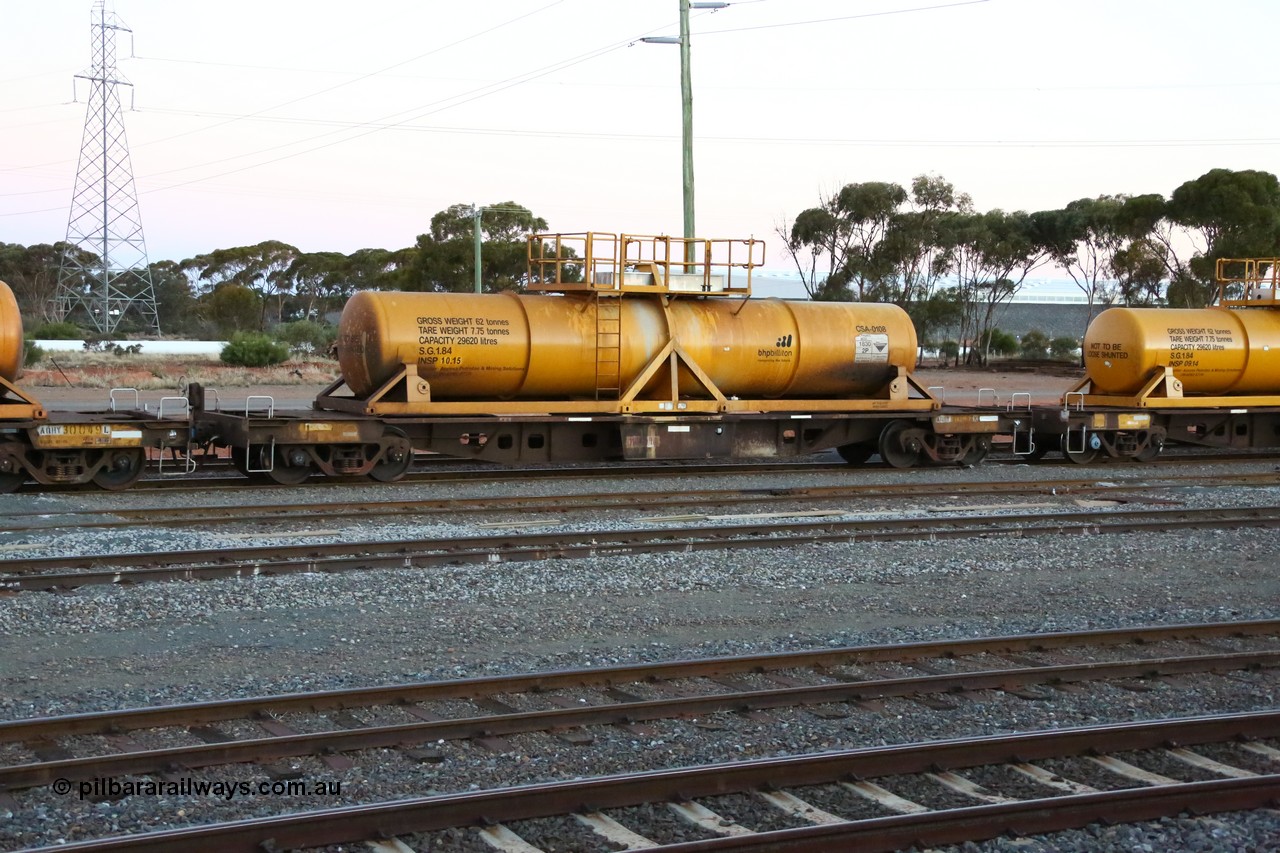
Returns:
<point x="993" y="253"/>
<point x="177" y="308"/>
<point x="32" y="273"/>
<point x="312" y="277"/>
<point x="444" y="258"/>
<point x="260" y="268"/>
<point x="375" y="269"/>
<point x="1139" y="270"/>
<point x="1083" y="239"/>
<point x="1221" y="214"/>
<point x="843" y="233"/>
<point x="915" y="257"/>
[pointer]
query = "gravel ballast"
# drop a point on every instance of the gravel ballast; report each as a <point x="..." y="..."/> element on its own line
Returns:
<point x="108" y="647"/>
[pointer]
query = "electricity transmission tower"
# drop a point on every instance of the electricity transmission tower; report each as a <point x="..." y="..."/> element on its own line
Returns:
<point x="104" y="273"/>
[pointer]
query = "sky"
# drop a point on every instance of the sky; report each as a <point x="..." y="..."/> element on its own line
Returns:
<point x="338" y="126"/>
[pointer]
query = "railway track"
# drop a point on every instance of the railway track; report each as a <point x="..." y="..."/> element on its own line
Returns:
<point x="871" y="796"/>
<point x="711" y="797"/>
<point x="462" y="508"/>
<point x="444" y="471"/>
<point x="52" y="573"/>
<point x="570" y="702"/>
<point x="457" y="509"/>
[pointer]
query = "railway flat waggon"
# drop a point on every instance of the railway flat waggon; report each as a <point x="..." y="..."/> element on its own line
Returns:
<point x="110" y="448"/>
<point x="639" y="347"/>
<point x="1207" y="376"/>
<point x="630" y="348"/>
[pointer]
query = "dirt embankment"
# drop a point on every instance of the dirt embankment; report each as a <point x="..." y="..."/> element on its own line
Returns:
<point x="963" y="387"/>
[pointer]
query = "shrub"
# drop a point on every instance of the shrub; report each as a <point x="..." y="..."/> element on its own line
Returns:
<point x="306" y="337"/>
<point x="254" y="349"/>
<point x="1001" y="343"/>
<point x="1063" y="347"/>
<point x="56" y="332"/>
<point x="949" y="349"/>
<point x="31" y="354"/>
<point x="1034" y="344"/>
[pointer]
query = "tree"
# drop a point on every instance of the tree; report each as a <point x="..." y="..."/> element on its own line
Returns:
<point x="993" y="253"/>
<point x="177" y="308"/>
<point x="1221" y="214"/>
<point x="845" y="230"/>
<point x="444" y="259"/>
<point x="259" y="268"/>
<point x="313" y="278"/>
<point x="915" y="256"/>
<point x="1083" y="239"/>
<point x="1139" y="269"/>
<point x="813" y="236"/>
<point x="233" y="308"/>
<point x="374" y="269"/>
<point x="32" y="273"/>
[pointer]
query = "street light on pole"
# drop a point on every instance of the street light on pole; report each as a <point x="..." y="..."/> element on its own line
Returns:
<point x="686" y="97"/>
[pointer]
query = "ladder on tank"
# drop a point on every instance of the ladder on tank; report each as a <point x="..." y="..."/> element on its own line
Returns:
<point x="608" y="346"/>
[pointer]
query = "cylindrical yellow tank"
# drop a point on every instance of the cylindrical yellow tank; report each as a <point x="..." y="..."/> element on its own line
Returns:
<point x="508" y="346"/>
<point x="10" y="334"/>
<point x="1211" y="350"/>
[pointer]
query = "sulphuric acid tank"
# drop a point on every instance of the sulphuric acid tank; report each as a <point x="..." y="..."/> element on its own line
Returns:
<point x="510" y="346"/>
<point x="1211" y="350"/>
<point x="10" y="335"/>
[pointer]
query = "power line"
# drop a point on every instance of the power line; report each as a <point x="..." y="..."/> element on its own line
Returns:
<point x="841" y="18"/>
<point x="363" y="76"/>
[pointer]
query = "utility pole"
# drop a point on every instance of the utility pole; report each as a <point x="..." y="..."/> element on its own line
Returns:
<point x="686" y="104"/>
<point x="104" y="271"/>
<point x="477" y="237"/>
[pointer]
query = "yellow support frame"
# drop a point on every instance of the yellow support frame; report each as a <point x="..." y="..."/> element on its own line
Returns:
<point x="16" y="405"/>
<point x="1161" y="390"/>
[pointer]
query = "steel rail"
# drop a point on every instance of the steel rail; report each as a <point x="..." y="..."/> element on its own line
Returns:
<point x="981" y="823"/>
<point x="200" y="713"/>
<point x="455" y="507"/>
<point x="383" y="820"/>
<point x="38" y="573"/>
<point x="625" y="470"/>
<point x="523" y="722"/>
<point x="494" y="472"/>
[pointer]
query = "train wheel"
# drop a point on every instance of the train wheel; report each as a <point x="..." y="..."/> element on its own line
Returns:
<point x="11" y="482"/>
<point x="976" y="454"/>
<point x="122" y="469"/>
<point x="1080" y="457"/>
<point x="897" y="447"/>
<point x="396" y="460"/>
<point x="292" y="466"/>
<point x="857" y="453"/>
<point x="1150" y="452"/>
<point x="240" y="461"/>
<point x="1088" y="454"/>
<point x="1041" y="450"/>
